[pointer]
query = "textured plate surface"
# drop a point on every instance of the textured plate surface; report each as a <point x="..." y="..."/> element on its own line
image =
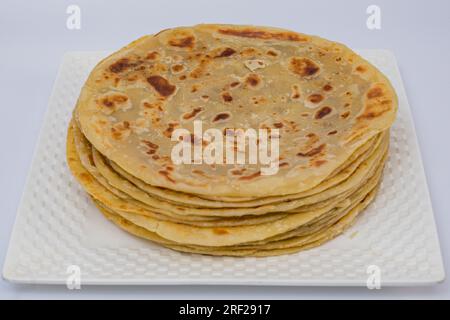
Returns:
<point x="57" y="226"/>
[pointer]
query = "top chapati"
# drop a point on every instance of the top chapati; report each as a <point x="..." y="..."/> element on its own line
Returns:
<point x="326" y="101"/>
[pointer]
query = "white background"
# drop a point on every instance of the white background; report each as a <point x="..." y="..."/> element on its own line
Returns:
<point x="33" y="38"/>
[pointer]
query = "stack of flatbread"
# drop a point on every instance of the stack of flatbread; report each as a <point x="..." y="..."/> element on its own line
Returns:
<point x="327" y="110"/>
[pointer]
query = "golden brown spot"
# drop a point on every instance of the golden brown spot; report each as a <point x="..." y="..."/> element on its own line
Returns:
<point x="238" y="172"/>
<point x="265" y="35"/>
<point x="323" y="112"/>
<point x="375" y="93"/>
<point x="221" y="116"/>
<point x="161" y="85"/>
<point x="121" y="65"/>
<point x="248" y="52"/>
<point x="278" y="125"/>
<point x="120" y="130"/>
<point x="220" y="231"/>
<point x="150" y="144"/>
<point x="252" y="176"/>
<point x="169" y="130"/>
<point x="226" y="53"/>
<point x="199" y="172"/>
<point x="111" y="101"/>
<point x="193" y="113"/>
<point x="312" y="152"/>
<point x="304" y="67"/>
<point x="186" y="42"/>
<point x="315" y="98"/>
<point x="272" y="53"/>
<point x="295" y="94"/>
<point x="318" y="163"/>
<point x="252" y="80"/>
<point x="166" y="175"/>
<point x="234" y="84"/>
<point x="85" y="177"/>
<point x="200" y="69"/>
<point x="332" y="132"/>
<point x="177" y="68"/>
<point x="327" y="87"/>
<point x="344" y="115"/>
<point x="107" y="103"/>
<point x="152" y="55"/>
<point x="361" y="69"/>
<point x="149" y="105"/>
<point x="370" y="114"/>
<point x="258" y="100"/>
<point x="125" y="222"/>
<point x="226" y="96"/>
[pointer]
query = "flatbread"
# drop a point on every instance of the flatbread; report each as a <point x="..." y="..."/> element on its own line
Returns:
<point x="229" y="236"/>
<point x="326" y="100"/>
<point x="311" y="241"/>
<point x="105" y="196"/>
<point x="329" y="109"/>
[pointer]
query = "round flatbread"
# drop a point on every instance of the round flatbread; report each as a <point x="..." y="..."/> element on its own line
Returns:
<point x="325" y="100"/>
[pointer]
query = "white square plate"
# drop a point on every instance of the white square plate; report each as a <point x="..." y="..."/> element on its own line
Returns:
<point x="57" y="225"/>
